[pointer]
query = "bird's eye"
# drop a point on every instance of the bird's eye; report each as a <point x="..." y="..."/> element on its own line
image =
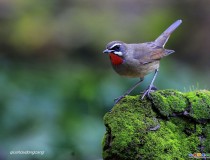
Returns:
<point x="116" y="48"/>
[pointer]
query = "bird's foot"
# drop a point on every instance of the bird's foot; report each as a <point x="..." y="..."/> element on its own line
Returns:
<point x="116" y="100"/>
<point x="147" y="92"/>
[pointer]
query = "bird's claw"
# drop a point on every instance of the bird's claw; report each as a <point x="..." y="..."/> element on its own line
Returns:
<point x="148" y="91"/>
<point x="116" y="100"/>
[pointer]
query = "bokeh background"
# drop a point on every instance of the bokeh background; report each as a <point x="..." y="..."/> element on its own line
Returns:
<point x="55" y="82"/>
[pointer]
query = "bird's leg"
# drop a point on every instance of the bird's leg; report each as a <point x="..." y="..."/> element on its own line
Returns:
<point x="150" y="88"/>
<point x="128" y="91"/>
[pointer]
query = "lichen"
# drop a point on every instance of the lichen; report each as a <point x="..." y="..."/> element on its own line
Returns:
<point x="132" y="130"/>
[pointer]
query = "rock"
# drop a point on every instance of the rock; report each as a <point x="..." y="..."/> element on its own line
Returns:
<point x="168" y="125"/>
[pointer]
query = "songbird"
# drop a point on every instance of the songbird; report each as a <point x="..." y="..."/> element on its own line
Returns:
<point x="139" y="59"/>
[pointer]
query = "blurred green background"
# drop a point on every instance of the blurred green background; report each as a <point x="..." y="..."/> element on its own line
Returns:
<point x="55" y="82"/>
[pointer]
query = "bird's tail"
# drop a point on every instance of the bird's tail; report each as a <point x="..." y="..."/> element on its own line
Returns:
<point x="163" y="38"/>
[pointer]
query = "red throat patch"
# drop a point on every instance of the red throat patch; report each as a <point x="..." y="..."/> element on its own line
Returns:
<point x="115" y="59"/>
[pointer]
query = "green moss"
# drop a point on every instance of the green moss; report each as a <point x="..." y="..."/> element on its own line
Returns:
<point x="121" y="135"/>
<point x="169" y="143"/>
<point x="199" y="104"/>
<point x="128" y="126"/>
<point x="169" y="101"/>
<point x="206" y="142"/>
<point x="196" y="103"/>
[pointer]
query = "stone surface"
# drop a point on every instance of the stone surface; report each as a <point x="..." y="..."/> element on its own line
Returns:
<point x="168" y="125"/>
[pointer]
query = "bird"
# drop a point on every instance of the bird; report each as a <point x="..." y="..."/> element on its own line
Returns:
<point x="139" y="59"/>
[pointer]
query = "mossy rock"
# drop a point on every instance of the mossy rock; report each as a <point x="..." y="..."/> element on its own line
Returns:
<point x="169" y="125"/>
<point x="195" y="104"/>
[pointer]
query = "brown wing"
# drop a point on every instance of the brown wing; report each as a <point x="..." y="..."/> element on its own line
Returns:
<point x="149" y="52"/>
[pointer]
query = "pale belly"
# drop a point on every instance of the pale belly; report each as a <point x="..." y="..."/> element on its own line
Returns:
<point x="136" y="70"/>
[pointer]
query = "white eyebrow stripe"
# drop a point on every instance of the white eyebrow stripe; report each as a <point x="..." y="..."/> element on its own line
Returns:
<point x="118" y="53"/>
<point x="116" y="44"/>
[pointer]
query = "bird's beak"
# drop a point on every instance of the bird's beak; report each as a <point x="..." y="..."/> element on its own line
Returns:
<point x="107" y="51"/>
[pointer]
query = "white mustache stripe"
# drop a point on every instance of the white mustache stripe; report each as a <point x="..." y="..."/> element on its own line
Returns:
<point x="118" y="53"/>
